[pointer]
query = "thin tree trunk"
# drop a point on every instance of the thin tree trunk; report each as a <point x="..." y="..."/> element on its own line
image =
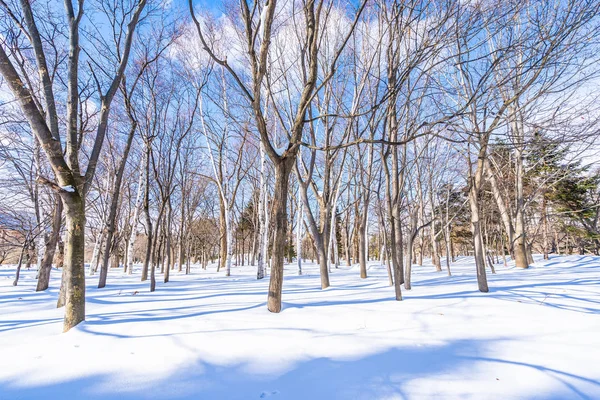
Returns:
<point x="412" y="235"/>
<point x="60" y="262"/>
<point x="502" y="246"/>
<point x="362" y="232"/>
<point x="228" y="214"/>
<point x="504" y="213"/>
<point x="448" y="233"/>
<point x="149" y="236"/>
<point x="477" y="240"/>
<point x="23" y="250"/>
<point x="299" y="236"/>
<point x="520" y="238"/>
<point x="168" y="241"/>
<point x="44" y="273"/>
<point x="187" y="259"/>
<point x="60" y="302"/>
<point x="389" y="271"/>
<point x="180" y="244"/>
<point x="134" y="223"/>
<point x="347" y="240"/>
<point x="114" y="205"/>
<point x="223" y="232"/>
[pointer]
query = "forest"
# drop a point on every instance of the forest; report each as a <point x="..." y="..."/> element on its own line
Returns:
<point x="153" y="139"/>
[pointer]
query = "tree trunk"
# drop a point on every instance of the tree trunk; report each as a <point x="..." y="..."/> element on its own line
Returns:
<point x="228" y="214"/>
<point x="74" y="268"/>
<point x="60" y="302"/>
<point x="448" y="233"/>
<point x="282" y="177"/>
<point x="323" y="261"/>
<point x="388" y="266"/>
<point x="168" y="241"/>
<point x="23" y="250"/>
<point x="421" y="222"/>
<point x="529" y="253"/>
<point x="396" y="239"/>
<point x="223" y="237"/>
<point x="299" y="236"/>
<point x="347" y="242"/>
<point x="181" y="244"/>
<point x="252" y="255"/>
<point x="115" y="258"/>
<point x="161" y="249"/>
<point x="114" y="205"/>
<point x="409" y="262"/>
<point x="435" y="252"/>
<point x="398" y="260"/>
<point x="362" y="232"/>
<point x="126" y="255"/>
<point x="412" y="235"/>
<point x="149" y="238"/>
<point x="187" y="259"/>
<point x="153" y="270"/>
<point x="502" y="247"/>
<point x="504" y="213"/>
<point x="490" y="262"/>
<point x="477" y="239"/>
<point x="520" y="238"/>
<point x="134" y="223"/>
<point x="320" y="233"/>
<point x="44" y="273"/>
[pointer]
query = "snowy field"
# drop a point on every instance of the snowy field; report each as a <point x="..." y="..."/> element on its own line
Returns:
<point x="205" y="336"/>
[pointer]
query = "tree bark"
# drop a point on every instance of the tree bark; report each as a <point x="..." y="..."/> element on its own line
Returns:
<point x="168" y="241"/>
<point x="20" y="263"/>
<point x="149" y="237"/>
<point x="412" y="235"/>
<point x="134" y="223"/>
<point x="504" y="212"/>
<point x="299" y="236"/>
<point x="223" y="231"/>
<point x="282" y="175"/>
<point x="74" y="260"/>
<point x="545" y="241"/>
<point x="362" y="232"/>
<point x="435" y="251"/>
<point x="477" y="239"/>
<point x="46" y="267"/>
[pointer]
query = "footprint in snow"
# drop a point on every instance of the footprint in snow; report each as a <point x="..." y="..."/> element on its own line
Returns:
<point x="268" y="393"/>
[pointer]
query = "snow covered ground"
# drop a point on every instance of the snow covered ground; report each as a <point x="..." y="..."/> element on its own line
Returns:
<point x="205" y="336"/>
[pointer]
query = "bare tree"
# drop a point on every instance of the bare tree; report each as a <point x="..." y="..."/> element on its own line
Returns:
<point x="71" y="184"/>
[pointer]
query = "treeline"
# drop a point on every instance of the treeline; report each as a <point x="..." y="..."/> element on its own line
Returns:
<point x="154" y="137"/>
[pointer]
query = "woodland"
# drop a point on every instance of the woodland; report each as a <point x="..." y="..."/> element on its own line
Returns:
<point x="148" y="140"/>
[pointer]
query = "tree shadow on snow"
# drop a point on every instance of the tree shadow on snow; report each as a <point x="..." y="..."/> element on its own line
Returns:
<point x="398" y="373"/>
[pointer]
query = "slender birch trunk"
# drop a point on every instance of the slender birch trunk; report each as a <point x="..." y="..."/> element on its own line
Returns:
<point x="299" y="236"/>
<point x="136" y="210"/>
<point x="260" y="270"/>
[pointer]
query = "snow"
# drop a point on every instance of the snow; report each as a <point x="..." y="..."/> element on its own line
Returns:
<point x="68" y="188"/>
<point x="205" y="336"/>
